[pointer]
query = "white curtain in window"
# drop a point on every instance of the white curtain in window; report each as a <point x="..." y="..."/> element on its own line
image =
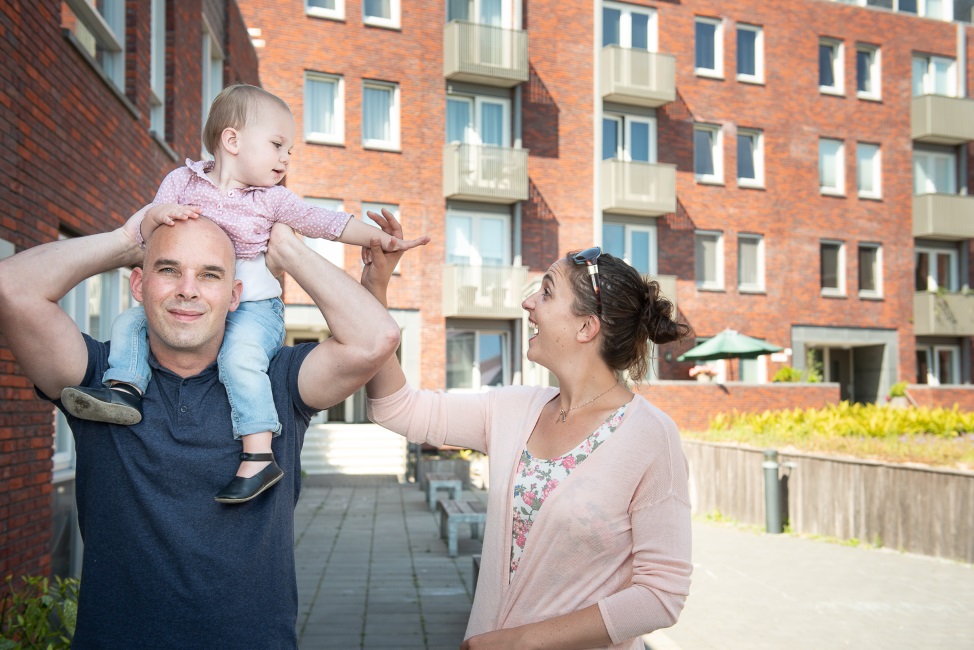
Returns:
<point x="492" y="123"/>
<point x="376" y="114"/>
<point x="706" y="258"/>
<point x="748" y="261"/>
<point x="867" y="154"/>
<point x="459" y="238"/>
<point x="828" y="160"/>
<point x="611" y="28"/>
<point x="492" y="238"/>
<point x="321" y="106"/>
<point x="459" y="121"/>
<point x="703" y="152"/>
<point x="378" y="8"/>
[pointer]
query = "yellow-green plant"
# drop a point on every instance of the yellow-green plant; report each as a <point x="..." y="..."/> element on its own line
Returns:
<point x="37" y="615"/>
<point x="898" y="389"/>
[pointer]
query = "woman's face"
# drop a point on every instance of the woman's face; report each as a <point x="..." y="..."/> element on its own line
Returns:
<point x="553" y="325"/>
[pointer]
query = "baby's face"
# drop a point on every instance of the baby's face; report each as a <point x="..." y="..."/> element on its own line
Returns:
<point x="265" y="146"/>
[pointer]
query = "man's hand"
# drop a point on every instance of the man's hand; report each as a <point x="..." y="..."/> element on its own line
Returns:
<point x="167" y="214"/>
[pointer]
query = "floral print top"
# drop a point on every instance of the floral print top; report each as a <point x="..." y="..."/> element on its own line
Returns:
<point x="536" y="478"/>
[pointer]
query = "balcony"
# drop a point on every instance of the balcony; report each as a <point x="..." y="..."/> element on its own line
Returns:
<point x="949" y="217"/>
<point x="637" y="77"/>
<point x="638" y="188"/>
<point x="483" y="54"/>
<point x="485" y="173"/>
<point x="937" y="119"/>
<point x="943" y="314"/>
<point x="483" y="291"/>
<point x="667" y="287"/>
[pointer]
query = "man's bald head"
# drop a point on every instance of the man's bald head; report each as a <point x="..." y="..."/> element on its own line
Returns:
<point x="191" y="232"/>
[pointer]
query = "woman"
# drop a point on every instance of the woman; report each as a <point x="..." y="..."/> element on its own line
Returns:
<point x="607" y="557"/>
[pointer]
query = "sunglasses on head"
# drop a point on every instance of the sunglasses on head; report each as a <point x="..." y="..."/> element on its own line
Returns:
<point x="590" y="258"/>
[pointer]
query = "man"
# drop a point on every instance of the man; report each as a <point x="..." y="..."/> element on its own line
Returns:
<point x="164" y="564"/>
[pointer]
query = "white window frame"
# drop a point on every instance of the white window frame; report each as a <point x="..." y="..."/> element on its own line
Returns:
<point x="716" y="150"/>
<point x="211" y="64"/>
<point x="625" y="24"/>
<point x="934" y="281"/>
<point x="475" y="258"/>
<point x="392" y="22"/>
<point x="929" y="76"/>
<point x="475" y="378"/>
<point x="717" y="284"/>
<point x="331" y="250"/>
<point x="839" y="188"/>
<point x="338" y="13"/>
<point x="625" y="122"/>
<point x="628" y="230"/>
<point x="875" y="72"/>
<point x="157" y="68"/>
<point x="933" y="364"/>
<point x="840" y="272"/>
<point x="373" y="143"/>
<point x="758" y="76"/>
<point x="747" y="287"/>
<point x="929" y="157"/>
<point x="338" y="109"/>
<point x="758" y="136"/>
<point x="877" y="170"/>
<point x="103" y="30"/>
<point x="377" y="207"/>
<point x="878" y="279"/>
<point x="474" y="134"/>
<point x="838" y="66"/>
<point x="717" y="71"/>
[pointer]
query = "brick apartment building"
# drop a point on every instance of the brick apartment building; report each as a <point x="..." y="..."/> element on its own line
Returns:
<point x="96" y="107"/>
<point x="795" y="170"/>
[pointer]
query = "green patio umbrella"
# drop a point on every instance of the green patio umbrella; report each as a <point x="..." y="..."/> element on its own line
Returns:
<point x="729" y="344"/>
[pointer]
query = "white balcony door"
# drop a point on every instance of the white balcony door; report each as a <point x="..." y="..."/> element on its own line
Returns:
<point x="936" y="269"/>
<point x="628" y="26"/>
<point x="479" y="120"/>
<point x="630" y="138"/>
<point x="634" y="244"/>
<point x="934" y="173"/>
<point x="478" y="239"/>
<point x="498" y="13"/>
<point x="934" y="75"/>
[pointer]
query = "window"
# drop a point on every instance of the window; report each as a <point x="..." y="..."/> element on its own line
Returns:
<point x="707" y="149"/>
<point x="750" y="263"/>
<point x="868" y="170"/>
<point x="832" y="256"/>
<point x="831" y="170"/>
<point x="938" y="364"/>
<point x="830" y="66"/>
<point x="100" y="31"/>
<point x="709" y="52"/>
<point x="870" y="270"/>
<point x="934" y="172"/>
<point x="629" y="138"/>
<point x="478" y="239"/>
<point x="211" y="65"/>
<point x="867" y="72"/>
<point x="709" y="259"/>
<point x="324" y="116"/>
<point x="936" y="268"/>
<point x="380" y="115"/>
<point x="628" y="26"/>
<point x="333" y="251"/>
<point x="476" y="359"/>
<point x="750" y="53"/>
<point x="377" y="207"/>
<point x="157" y="68"/>
<point x="635" y="243"/>
<point x="934" y="75"/>
<point x="478" y="120"/>
<point x="381" y="13"/>
<point x="334" y="9"/>
<point x="750" y="158"/>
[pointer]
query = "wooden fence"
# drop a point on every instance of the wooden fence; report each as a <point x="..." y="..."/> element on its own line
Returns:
<point x="911" y="508"/>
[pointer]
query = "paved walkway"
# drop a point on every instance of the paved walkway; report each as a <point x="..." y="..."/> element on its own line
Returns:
<point x="373" y="573"/>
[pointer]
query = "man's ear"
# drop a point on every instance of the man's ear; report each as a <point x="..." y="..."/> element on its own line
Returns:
<point x="591" y="327"/>
<point x="235" y="294"/>
<point x="135" y="283"/>
<point x="229" y="141"/>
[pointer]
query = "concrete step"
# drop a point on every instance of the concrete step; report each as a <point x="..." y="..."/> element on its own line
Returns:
<point x="340" y="448"/>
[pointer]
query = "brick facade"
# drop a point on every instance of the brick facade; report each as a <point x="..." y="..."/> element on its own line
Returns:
<point x="77" y="158"/>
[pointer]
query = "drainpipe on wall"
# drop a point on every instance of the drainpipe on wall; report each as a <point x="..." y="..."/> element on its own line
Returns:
<point x="962" y="92"/>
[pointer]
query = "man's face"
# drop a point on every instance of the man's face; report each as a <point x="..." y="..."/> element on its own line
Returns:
<point x="187" y="287"/>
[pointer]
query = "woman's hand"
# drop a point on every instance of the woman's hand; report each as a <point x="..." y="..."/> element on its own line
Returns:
<point x="379" y="264"/>
<point x="507" y="639"/>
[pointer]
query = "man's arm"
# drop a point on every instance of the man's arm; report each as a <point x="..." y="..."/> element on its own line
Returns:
<point x="363" y="334"/>
<point x="45" y="341"/>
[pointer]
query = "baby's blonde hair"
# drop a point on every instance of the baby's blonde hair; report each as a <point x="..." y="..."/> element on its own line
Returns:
<point x="233" y="108"/>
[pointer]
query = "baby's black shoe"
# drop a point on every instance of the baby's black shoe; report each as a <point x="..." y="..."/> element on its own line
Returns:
<point x="121" y="404"/>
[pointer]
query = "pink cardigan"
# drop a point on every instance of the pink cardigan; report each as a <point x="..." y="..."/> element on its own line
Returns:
<point x="616" y="532"/>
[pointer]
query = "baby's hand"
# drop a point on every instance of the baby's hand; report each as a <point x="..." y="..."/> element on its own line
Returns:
<point x="167" y="214"/>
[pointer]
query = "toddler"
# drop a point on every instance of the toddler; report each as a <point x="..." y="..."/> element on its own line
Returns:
<point x="250" y="133"/>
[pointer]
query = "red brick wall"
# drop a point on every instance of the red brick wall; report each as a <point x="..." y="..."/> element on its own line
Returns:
<point x="945" y="396"/>
<point x="692" y="404"/>
<point x="75" y="158"/>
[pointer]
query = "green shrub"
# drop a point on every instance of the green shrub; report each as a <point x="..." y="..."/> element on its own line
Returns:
<point x="898" y="389"/>
<point x="37" y="615"/>
<point x="787" y="375"/>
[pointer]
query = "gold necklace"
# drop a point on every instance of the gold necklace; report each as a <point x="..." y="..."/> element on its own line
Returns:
<point x="562" y="413"/>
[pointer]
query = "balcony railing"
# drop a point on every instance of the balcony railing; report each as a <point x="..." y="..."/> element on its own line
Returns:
<point x="473" y="172"/>
<point x="943" y="314"/>
<point x="948" y="217"/>
<point x="637" y="77"/>
<point x="942" y="120"/>
<point x="667" y="287"/>
<point x="483" y="54"/>
<point x="638" y="188"/>
<point x="483" y="291"/>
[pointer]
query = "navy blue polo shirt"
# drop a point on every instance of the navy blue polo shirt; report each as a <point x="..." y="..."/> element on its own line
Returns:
<point x="166" y="566"/>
